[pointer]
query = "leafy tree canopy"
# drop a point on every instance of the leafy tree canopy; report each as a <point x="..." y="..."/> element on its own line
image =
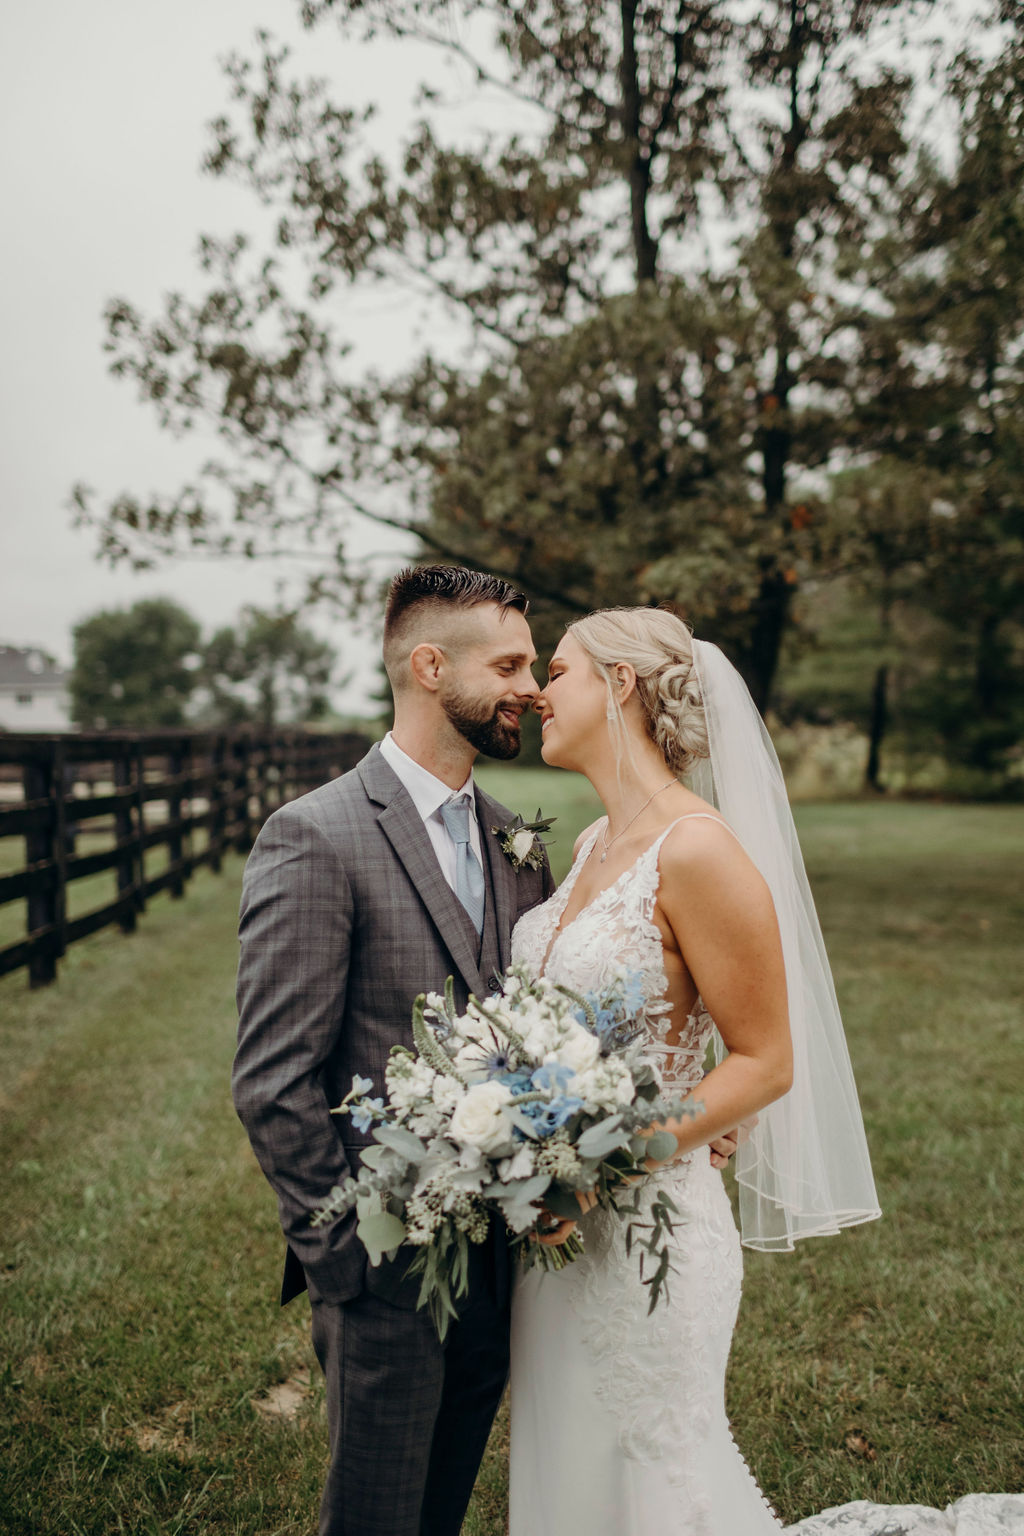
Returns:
<point x="148" y="666"/>
<point x="268" y="668"/>
<point x="134" y="667"/>
<point x="634" y="414"/>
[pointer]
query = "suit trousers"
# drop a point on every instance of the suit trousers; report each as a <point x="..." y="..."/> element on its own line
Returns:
<point x="408" y="1416"/>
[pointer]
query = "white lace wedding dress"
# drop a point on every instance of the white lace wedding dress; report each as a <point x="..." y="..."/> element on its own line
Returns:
<point x="618" y="1418"/>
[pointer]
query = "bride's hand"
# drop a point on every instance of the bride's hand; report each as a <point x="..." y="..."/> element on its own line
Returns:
<point x="552" y="1232"/>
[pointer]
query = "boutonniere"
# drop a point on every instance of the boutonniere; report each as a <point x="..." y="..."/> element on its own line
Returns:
<point x="521" y="842"/>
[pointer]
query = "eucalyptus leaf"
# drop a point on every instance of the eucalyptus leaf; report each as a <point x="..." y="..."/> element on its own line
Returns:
<point x="380" y="1232"/>
<point x="603" y="1138"/>
<point x="661" y="1146"/>
<point x="400" y="1140"/>
<point x="521" y="1121"/>
<point x="563" y="1203"/>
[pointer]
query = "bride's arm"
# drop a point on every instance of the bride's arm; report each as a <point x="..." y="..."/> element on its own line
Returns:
<point x="721" y="915"/>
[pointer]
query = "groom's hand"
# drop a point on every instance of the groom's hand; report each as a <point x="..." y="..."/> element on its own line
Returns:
<point x="723" y="1147"/>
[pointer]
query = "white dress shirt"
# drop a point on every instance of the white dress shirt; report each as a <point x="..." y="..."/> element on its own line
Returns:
<point x="428" y="794"/>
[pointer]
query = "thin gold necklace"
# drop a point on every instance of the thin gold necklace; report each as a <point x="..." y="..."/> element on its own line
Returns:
<point x="608" y="841"/>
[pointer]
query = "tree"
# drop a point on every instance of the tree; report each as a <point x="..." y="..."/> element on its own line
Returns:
<point x="944" y="396"/>
<point x="268" y="669"/>
<point x="630" y="420"/>
<point x="134" y="667"/>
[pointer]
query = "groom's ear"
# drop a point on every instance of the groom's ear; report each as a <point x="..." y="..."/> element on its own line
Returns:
<point x="425" y="663"/>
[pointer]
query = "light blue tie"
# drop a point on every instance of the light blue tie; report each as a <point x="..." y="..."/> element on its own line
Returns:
<point x="469" y="877"/>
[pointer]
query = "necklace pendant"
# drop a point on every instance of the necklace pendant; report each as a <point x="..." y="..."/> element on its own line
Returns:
<point x="602" y="858"/>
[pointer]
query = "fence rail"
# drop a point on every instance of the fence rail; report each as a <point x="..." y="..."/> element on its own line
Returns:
<point x="149" y="808"/>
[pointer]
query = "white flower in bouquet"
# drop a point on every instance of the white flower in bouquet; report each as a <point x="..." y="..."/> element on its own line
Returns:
<point x="527" y="1098"/>
<point x="578" y="1048"/>
<point x="518" y="1167"/>
<point x="426" y="1120"/>
<point x="473" y="1025"/>
<point x="606" y="1085"/>
<point x="409" y="1081"/>
<point x="446" y="1093"/>
<point x="478" y="1121"/>
<point x="540" y="1031"/>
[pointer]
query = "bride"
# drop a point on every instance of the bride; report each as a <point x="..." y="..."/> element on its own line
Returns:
<point x="618" y="1418"/>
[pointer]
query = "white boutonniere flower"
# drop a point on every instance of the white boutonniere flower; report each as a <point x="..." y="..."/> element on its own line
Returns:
<point x="521" y="841"/>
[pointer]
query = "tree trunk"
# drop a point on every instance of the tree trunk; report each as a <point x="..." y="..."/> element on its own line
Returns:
<point x="775" y="594"/>
<point x="645" y="247"/>
<point x="771" y="613"/>
<point x="877" y="729"/>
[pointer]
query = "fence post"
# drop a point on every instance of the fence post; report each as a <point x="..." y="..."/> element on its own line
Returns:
<point x="139" y="758"/>
<point x="243" y="833"/>
<point x="123" y="832"/>
<point x="61" y="788"/>
<point x="42" y="905"/>
<point x="216" y="802"/>
<point x="175" y="847"/>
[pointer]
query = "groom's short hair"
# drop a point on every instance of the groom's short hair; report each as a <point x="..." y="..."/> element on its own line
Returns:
<point x="423" y="597"/>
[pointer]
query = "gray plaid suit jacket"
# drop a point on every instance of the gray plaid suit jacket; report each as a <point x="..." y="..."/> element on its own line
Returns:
<point x="345" y="918"/>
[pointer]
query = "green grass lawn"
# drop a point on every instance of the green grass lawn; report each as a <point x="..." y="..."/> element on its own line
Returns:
<point x="141" y="1349"/>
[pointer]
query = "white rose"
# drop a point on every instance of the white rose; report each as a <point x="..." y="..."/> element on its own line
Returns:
<point x="522" y="844"/>
<point x="478" y="1120"/>
<point x="578" y="1049"/>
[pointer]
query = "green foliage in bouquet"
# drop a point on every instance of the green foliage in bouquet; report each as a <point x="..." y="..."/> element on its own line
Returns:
<point x="510" y="1110"/>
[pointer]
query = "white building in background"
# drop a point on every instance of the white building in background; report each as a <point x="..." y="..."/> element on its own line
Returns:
<point x="33" y="691"/>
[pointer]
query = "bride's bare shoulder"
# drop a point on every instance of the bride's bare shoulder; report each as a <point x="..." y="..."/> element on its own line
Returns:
<point x="701" y="841"/>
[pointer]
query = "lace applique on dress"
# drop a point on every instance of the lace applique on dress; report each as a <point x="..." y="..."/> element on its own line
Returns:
<point x="613" y="933"/>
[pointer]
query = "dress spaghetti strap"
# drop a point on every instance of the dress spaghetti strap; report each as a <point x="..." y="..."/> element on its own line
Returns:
<point x="702" y="816"/>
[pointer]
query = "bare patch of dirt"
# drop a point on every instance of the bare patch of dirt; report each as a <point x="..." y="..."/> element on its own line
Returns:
<point x="284" y="1401"/>
<point x="171" y="1432"/>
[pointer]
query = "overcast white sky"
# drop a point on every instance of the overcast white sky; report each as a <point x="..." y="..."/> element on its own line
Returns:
<point x="103" y="117"/>
<point x="103" y="111"/>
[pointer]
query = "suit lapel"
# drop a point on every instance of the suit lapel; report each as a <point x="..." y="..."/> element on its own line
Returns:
<point x="401" y="824"/>
<point x="503" y="877"/>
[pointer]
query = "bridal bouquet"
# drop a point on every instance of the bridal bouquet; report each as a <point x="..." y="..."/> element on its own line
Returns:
<point x="514" y="1106"/>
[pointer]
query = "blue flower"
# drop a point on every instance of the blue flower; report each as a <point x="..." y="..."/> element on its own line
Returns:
<point x="363" y="1114"/>
<point x="552" y="1078"/>
<point x="493" y="1056"/>
<point x="516" y="1082"/>
<point x="633" y="992"/>
<point x="361" y="1086"/>
<point x="548" y="1118"/>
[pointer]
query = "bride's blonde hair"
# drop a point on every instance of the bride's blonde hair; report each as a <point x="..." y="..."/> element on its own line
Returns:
<point x="658" y="647"/>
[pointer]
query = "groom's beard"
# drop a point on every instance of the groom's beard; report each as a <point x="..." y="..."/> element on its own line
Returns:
<point x="482" y="726"/>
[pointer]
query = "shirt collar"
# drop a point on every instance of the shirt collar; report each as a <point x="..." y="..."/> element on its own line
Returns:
<point x="427" y="792"/>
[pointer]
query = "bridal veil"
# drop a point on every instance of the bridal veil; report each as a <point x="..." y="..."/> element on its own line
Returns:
<point x="805" y="1172"/>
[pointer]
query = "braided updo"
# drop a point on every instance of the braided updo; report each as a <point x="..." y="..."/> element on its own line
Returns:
<point x="658" y="647"/>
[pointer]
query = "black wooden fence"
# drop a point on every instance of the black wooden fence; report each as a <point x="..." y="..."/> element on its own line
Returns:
<point x="150" y="808"/>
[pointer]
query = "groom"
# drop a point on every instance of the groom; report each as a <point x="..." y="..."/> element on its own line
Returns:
<point x="356" y="898"/>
